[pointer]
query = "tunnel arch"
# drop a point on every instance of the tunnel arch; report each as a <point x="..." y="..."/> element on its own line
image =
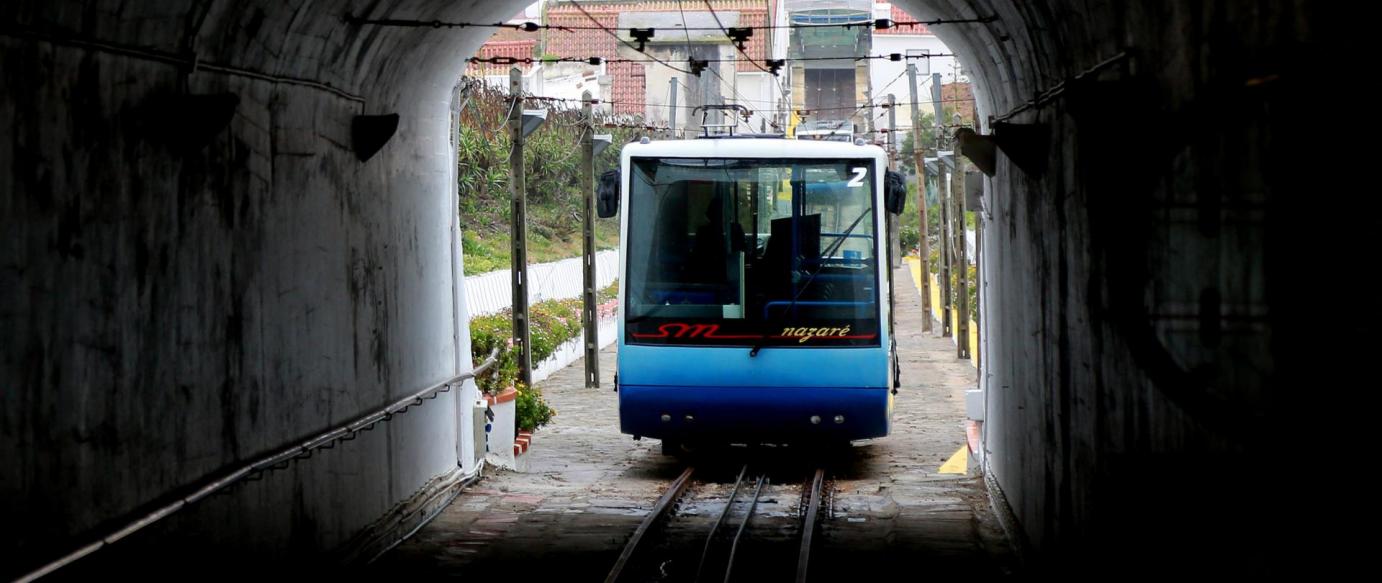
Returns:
<point x="255" y="259"/>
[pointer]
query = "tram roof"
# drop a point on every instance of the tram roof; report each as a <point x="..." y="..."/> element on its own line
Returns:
<point x="753" y="148"/>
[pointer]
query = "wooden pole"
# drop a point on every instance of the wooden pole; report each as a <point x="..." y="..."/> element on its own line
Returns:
<point x="590" y="319"/>
<point x="943" y="188"/>
<point x="894" y="237"/>
<point x="961" y="262"/>
<point x="944" y="185"/>
<point x="924" y="246"/>
<point x="519" y="230"/>
<point x="894" y="221"/>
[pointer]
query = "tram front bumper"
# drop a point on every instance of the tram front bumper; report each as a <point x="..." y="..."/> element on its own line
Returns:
<point x="755" y="414"/>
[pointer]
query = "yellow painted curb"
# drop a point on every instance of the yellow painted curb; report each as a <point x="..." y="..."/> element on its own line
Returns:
<point x="914" y="266"/>
<point x="958" y="463"/>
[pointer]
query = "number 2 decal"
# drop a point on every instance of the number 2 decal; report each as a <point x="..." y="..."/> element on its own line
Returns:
<point x="858" y="180"/>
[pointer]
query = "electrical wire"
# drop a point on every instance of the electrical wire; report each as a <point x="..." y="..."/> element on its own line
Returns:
<point x="723" y="82"/>
<point x="873" y="101"/>
<point x="621" y="39"/>
<point x="598" y="60"/>
<point x="530" y="26"/>
<point x="781" y="88"/>
<point x="720" y="24"/>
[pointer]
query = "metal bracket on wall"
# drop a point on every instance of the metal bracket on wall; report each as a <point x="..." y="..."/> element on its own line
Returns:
<point x="369" y="133"/>
<point x="1027" y="145"/>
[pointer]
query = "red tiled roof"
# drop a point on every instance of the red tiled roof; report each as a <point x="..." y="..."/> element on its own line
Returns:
<point x="898" y="15"/>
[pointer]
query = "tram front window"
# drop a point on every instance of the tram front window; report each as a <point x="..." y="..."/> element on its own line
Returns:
<point x="751" y="251"/>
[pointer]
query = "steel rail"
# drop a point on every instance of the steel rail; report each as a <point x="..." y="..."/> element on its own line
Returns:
<point x="808" y="527"/>
<point x="734" y="546"/>
<point x="664" y="504"/>
<point x="710" y="538"/>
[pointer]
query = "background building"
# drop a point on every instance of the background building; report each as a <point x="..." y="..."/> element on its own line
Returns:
<point x="646" y="88"/>
<point x="829" y="78"/>
<point x="826" y="81"/>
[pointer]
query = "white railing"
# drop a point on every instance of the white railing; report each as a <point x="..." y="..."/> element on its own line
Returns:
<point x="489" y="293"/>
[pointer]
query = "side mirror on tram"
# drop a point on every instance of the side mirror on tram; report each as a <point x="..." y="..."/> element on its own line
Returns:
<point x="894" y="192"/>
<point x="607" y="194"/>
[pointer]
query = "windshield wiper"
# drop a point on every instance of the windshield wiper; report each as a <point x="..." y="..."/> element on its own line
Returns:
<point x="828" y="252"/>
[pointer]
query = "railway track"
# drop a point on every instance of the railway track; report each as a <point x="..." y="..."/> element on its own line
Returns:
<point x="658" y="552"/>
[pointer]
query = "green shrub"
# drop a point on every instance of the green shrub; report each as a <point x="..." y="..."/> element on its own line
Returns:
<point x="531" y="411"/>
<point x="610" y="293"/>
<point x="551" y="324"/>
<point x="973" y="273"/>
<point x="552" y="178"/>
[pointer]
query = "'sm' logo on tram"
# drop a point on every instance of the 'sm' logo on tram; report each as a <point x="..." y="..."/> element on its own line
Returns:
<point x="684" y="330"/>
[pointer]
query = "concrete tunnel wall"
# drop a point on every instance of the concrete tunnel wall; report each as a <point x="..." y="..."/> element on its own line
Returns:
<point x="1144" y="310"/>
<point x="169" y="310"/>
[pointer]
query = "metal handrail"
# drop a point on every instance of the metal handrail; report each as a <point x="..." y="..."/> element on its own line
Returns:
<point x="277" y="459"/>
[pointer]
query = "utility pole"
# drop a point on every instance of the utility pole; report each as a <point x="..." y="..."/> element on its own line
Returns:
<point x="518" y="224"/>
<point x="671" y="108"/>
<point x="895" y="237"/>
<point x="962" y="262"/>
<point x="868" y="122"/>
<point x="947" y="248"/>
<point x="591" y="320"/>
<point x="947" y="325"/>
<point x="976" y="352"/>
<point x="924" y="246"/>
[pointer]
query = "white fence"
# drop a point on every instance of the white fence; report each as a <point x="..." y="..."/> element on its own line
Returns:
<point x="574" y="349"/>
<point x="488" y="293"/>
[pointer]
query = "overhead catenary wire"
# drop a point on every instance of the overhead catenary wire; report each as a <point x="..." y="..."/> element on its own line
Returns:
<point x="799" y="111"/>
<point x="698" y="65"/>
<point x="873" y="102"/>
<point x="721" y="25"/>
<point x="501" y="60"/>
<point x="607" y="123"/>
<point x="772" y="65"/>
<point x="530" y="26"/>
<point x="713" y="70"/>
<point x="682" y="106"/>
<point x="626" y="43"/>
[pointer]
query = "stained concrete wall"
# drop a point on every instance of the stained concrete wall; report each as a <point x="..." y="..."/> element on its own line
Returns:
<point x="1146" y="326"/>
<point x="168" y="310"/>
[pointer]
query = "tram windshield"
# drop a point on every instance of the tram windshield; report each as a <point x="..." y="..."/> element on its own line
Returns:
<point x="752" y="252"/>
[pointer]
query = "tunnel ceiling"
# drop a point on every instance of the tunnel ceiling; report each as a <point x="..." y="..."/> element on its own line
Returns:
<point x="308" y="41"/>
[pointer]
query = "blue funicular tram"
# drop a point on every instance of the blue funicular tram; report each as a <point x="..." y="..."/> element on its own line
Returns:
<point x="755" y="290"/>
